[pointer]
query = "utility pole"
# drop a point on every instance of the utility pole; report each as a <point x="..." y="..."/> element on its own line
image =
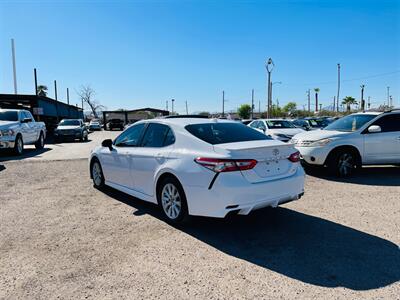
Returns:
<point x="55" y="89"/>
<point x="259" y="106"/>
<point x="320" y="106"/>
<point x="166" y="105"/>
<point x="388" y="99"/>
<point x="186" y="108"/>
<point x="172" y="106"/>
<point x="14" y="66"/>
<point x="223" y="103"/>
<point x="391" y="101"/>
<point x="334" y="102"/>
<point x="362" y="97"/>
<point x="68" y="95"/>
<point x="338" y="87"/>
<point x="309" y="100"/>
<point x="35" y="76"/>
<point x="252" y="103"/>
<point x="369" y="102"/>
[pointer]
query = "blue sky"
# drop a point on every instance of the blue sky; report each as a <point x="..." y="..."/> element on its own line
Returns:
<point x="142" y="53"/>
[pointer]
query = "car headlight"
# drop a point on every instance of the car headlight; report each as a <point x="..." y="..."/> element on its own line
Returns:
<point x="7" y="132"/>
<point x="319" y="143"/>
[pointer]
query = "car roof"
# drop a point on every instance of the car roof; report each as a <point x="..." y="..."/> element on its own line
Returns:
<point x="182" y="122"/>
<point x="13" y="109"/>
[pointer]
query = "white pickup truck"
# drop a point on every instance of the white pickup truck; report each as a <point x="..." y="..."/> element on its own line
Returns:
<point x="18" y="128"/>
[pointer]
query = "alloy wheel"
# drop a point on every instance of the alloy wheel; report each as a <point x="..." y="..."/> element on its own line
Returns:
<point x="345" y="164"/>
<point x="97" y="174"/>
<point x="20" y="145"/>
<point x="171" y="201"/>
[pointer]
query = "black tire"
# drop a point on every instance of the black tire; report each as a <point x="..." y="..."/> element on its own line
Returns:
<point x="19" y="145"/>
<point x="182" y="215"/>
<point x="343" y="163"/>
<point x="40" y="142"/>
<point x="95" y="169"/>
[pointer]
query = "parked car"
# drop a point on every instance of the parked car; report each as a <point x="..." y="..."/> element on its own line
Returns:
<point x="192" y="166"/>
<point x="312" y="123"/>
<point x="19" y="128"/>
<point x="370" y="138"/>
<point x="115" y="124"/>
<point x="278" y="129"/>
<point x="94" y="125"/>
<point x="71" y="129"/>
<point x="246" y="121"/>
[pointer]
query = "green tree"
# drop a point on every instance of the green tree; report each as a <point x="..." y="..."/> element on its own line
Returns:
<point x="42" y="90"/>
<point x="204" y="113"/>
<point x="348" y="101"/>
<point x="244" y="111"/>
<point x="291" y="107"/>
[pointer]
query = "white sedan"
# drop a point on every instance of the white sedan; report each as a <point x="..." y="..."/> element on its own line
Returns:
<point x="278" y="129"/>
<point x="197" y="166"/>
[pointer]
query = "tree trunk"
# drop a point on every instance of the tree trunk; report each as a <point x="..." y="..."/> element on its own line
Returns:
<point x="316" y="101"/>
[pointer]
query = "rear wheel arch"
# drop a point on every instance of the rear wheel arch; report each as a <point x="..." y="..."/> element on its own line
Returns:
<point x="162" y="177"/>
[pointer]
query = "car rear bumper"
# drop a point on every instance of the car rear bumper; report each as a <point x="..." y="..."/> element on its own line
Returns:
<point x="232" y="192"/>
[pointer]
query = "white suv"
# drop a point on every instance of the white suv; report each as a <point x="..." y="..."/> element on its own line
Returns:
<point x="358" y="139"/>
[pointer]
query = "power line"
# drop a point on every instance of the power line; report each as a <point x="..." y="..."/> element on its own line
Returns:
<point x="349" y="80"/>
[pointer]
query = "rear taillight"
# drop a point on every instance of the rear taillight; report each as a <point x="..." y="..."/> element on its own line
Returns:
<point x="226" y="165"/>
<point x="294" y="157"/>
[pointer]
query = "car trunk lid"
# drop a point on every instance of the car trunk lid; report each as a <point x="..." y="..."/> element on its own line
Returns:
<point x="272" y="158"/>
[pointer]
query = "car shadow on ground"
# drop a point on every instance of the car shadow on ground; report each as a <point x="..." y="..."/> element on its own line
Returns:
<point x="303" y="247"/>
<point x="6" y="155"/>
<point x="2" y="167"/>
<point x="374" y="175"/>
<point x="51" y="141"/>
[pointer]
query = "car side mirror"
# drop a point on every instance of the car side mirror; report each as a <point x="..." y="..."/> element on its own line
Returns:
<point x="26" y="120"/>
<point x="374" y="129"/>
<point x="107" y="143"/>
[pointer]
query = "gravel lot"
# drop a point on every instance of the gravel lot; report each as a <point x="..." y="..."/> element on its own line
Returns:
<point x="61" y="238"/>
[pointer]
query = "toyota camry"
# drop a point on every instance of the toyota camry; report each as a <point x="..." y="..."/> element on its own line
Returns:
<point x="195" y="166"/>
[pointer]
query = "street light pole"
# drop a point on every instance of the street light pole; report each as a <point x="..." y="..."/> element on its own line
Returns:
<point x="172" y="106"/>
<point x="388" y="99"/>
<point x="269" y="66"/>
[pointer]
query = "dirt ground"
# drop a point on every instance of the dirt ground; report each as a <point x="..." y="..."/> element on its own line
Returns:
<point x="61" y="238"/>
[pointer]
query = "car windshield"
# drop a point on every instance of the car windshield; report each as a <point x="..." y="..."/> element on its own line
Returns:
<point x="221" y="133"/>
<point x="69" y="123"/>
<point x="276" y="124"/>
<point x="350" y="123"/>
<point x="8" y="116"/>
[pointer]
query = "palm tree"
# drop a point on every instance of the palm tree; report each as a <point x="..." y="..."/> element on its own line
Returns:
<point x="348" y="100"/>
<point x="316" y="90"/>
<point x="42" y="90"/>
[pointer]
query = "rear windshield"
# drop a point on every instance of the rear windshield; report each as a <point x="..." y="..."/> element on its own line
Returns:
<point x="221" y="133"/>
<point x="8" y="116"/>
<point x="70" y="123"/>
<point x="276" y="124"/>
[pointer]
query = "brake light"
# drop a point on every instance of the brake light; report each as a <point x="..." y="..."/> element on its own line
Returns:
<point x="226" y="165"/>
<point x="294" y="157"/>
